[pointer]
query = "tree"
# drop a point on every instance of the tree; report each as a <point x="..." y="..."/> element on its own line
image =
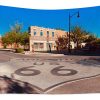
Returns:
<point x="5" y="41"/>
<point x="16" y="37"/>
<point x="78" y="35"/>
<point x="91" y="38"/>
<point x="16" y="33"/>
<point x="24" y="39"/>
<point x="16" y="28"/>
<point x="11" y="38"/>
<point x="62" y="43"/>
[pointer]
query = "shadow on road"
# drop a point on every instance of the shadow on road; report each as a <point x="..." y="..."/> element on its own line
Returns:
<point x="8" y="85"/>
<point x="90" y="62"/>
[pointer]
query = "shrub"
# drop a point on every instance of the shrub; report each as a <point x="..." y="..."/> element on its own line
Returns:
<point x="19" y="50"/>
<point x="4" y="46"/>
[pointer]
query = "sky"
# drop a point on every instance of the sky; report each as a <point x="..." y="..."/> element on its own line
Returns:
<point x="89" y="18"/>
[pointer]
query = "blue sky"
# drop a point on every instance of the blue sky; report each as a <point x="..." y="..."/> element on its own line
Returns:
<point x="89" y="18"/>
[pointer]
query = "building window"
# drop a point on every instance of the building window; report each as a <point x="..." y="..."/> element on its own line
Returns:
<point x="41" y="33"/>
<point x="52" y="34"/>
<point x="35" y="45"/>
<point x="47" y="33"/>
<point x="38" y="46"/>
<point x="41" y="46"/>
<point x="34" y="32"/>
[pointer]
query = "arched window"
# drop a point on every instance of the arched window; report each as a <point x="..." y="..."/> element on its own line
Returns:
<point x="34" y="32"/>
<point x="41" y="33"/>
<point x="52" y="34"/>
<point x="47" y="33"/>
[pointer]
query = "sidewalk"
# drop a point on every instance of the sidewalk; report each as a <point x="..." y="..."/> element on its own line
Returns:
<point x="42" y="54"/>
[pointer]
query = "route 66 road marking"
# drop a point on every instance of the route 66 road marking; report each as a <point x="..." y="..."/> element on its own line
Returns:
<point x="46" y="74"/>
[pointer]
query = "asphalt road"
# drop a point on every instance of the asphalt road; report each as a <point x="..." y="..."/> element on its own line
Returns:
<point x="6" y="55"/>
<point x="53" y="74"/>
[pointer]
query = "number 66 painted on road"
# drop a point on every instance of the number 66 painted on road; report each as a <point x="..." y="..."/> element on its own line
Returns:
<point x="54" y="71"/>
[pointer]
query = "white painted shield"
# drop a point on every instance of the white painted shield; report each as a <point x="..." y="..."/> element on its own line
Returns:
<point x="46" y="74"/>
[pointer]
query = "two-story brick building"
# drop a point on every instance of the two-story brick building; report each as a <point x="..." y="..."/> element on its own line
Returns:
<point x="43" y="39"/>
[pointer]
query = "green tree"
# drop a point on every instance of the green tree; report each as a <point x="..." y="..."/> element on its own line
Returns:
<point x="78" y="35"/>
<point x="14" y="36"/>
<point x="24" y="39"/>
<point x="91" y="38"/>
<point x="5" y="41"/>
<point x="16" y="27"/>
<point x="11" y="38"/>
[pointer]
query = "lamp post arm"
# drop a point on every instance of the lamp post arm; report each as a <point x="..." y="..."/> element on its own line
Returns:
<point x="73" y="14"/>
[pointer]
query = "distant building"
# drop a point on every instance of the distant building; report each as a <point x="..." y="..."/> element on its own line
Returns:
<point x="43" y="39"/>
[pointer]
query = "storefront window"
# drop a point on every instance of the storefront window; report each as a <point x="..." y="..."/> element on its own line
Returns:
<point x="35" y="45"/>
<point x="41" y="45"/>
<point x="38" y="46"/>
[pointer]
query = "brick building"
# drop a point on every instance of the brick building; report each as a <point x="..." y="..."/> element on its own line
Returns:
<point x="43" y="39"/>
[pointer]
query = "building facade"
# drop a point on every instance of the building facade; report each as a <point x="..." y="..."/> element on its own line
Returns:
<point x="43" y="39"/>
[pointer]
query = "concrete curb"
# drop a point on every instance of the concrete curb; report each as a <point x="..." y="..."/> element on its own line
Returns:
<point x="42" y="54"/>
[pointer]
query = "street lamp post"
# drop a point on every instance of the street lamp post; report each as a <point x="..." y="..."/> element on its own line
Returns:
<point x="70" y="16"/>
